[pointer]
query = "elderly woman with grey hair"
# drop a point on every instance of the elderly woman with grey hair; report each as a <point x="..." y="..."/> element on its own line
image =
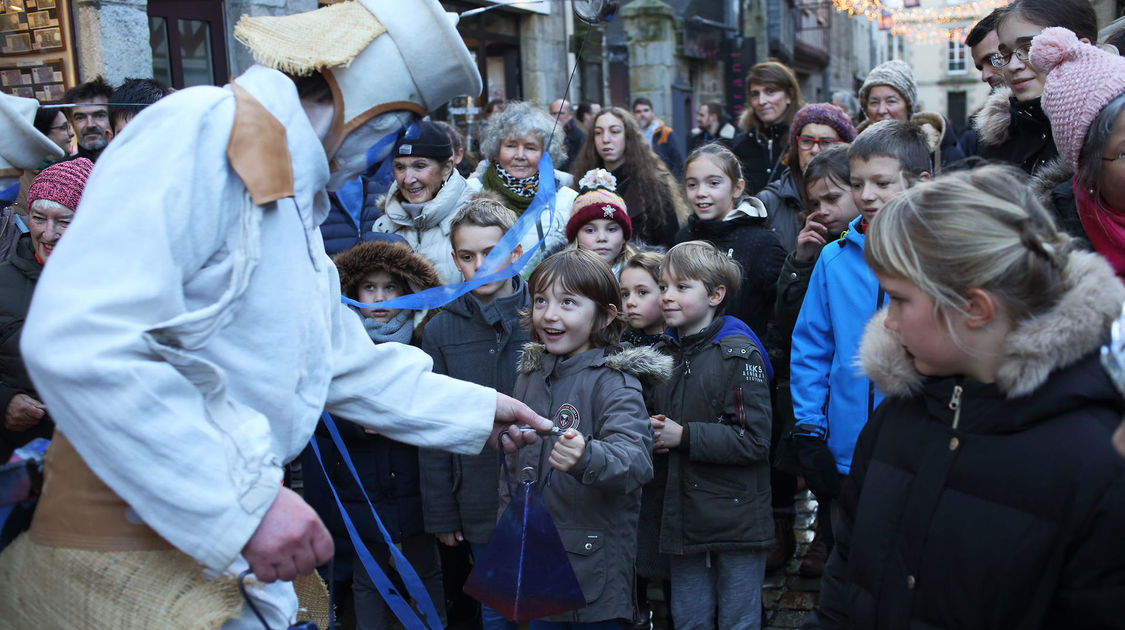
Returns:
<point x="513" y="143"/>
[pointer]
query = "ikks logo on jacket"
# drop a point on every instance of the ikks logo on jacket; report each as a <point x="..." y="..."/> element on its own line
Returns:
<point x="567" y="417"/>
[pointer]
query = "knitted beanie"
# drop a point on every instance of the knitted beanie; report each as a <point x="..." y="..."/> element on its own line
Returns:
<point x="430" y="141"/>
<point x="598" y="201"/>
<point x="1081" y="80"/>
<point x="62" y="183"/>
<point x="895" y="74"/>
<point x="822" y="114"/>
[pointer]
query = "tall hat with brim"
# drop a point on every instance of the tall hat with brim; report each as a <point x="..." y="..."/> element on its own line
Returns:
<point x="24" y="148"/>
<point x="377" y="56"/>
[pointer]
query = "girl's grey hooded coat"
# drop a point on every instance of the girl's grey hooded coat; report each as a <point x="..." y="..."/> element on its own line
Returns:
<point x="596" y="504"/>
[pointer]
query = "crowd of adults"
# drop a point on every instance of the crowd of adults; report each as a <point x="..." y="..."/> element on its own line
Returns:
<point x="1059" y="116"/>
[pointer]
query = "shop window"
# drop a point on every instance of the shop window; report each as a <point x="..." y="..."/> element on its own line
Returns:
<point x="957" y="52"/>
<point x="188" y="43"/>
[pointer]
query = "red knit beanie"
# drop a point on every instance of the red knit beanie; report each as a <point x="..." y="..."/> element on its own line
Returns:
<point x="598" y="201"/>
<point x="62" y="183"/>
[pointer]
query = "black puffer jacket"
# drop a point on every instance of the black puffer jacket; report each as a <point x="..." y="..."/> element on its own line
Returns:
<point x="1015" y="132"/>
<point x="717" y="495"/>
<point x="746" y="238"/>
<point x="974" y="505"/>
<point x="760" y="154"/>
<point x="18" y="277"/>
<point x="339" y="230"/>
<point x="783" y="207"/>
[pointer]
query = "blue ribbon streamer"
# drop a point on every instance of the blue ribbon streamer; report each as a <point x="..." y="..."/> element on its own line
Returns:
<point x="10" y="193"/>
<point x="414" y="586"/>
<point x="491" y="269"/>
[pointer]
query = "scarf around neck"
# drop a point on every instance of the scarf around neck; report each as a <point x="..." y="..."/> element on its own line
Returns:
<point x="518" y="191"/>
<point x="1105" y="226"/>
<point x="400" y="328"/>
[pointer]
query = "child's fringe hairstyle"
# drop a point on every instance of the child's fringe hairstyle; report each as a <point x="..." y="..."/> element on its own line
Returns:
<point x="649" y="261"/>
<point x="702" y="261"/>
<point x="727" y="162"/>
<point x="483" y="210"/>
<point x="979" y="229"/>
<point x="582" y="273"/>
<point x="898" y="140"/>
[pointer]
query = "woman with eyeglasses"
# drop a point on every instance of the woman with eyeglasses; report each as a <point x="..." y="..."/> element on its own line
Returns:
<point x="52" y="123"/>
<point x="815" y="128"/>
<point x="1084" y="98"/>
<point x="890" y="93"/>
<point x="1012" y="126"/>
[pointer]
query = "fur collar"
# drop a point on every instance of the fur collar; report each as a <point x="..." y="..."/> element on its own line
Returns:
<point x="1038" y="346"/>
<point x="394" y="257"/>
<point x="647" y="365"/>
<point x="995" y="117"/>
<point x="1047" y="177"/>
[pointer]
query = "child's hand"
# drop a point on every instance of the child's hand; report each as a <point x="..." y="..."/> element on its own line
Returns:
<point x="667" y="435"/>
<point x="450" y="539"/>
<point x="812" y="238"/>
<point x="567" y="451"/>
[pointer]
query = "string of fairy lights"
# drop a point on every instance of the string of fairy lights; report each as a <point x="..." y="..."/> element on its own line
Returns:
<point x="919" y="24"/>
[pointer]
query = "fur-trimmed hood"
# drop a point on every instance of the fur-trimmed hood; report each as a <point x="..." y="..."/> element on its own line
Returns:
<point x="1038" y="346"/>
<point x="1049" y="176"/>
<point x="394" y="257"/>
<point x="994" y="119"/>
<point x="647" y="365"/>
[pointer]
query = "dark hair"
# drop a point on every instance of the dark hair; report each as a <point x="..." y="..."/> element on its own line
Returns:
<point x="642" y="101"/>
<point x="648" y="175"/>
<point x="1091" y="168"/>
<point x="44" y="116"/>
<point x="894" y="139"/>
<point x="88" y="91"/>
<point x="778" y="75"/>
<point x="831" y="164"/>
<point x="715" y="108"/>
<point x="581" y="272"/>
<point x="1076" y="15"/>
<point x="584" y="109"/>
<point x="983" y="28"/>
<point x="140" y="93"/>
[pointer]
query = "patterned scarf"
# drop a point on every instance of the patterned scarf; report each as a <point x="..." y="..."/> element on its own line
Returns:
<point x="518" y="192"/>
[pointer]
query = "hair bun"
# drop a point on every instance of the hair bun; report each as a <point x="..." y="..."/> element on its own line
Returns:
<point x="1054" y="46"/>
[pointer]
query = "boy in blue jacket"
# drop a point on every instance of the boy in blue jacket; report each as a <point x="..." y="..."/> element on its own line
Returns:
<point x="831" y="399"/>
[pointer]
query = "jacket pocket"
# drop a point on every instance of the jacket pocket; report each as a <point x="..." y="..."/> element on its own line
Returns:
<point x="587" y="558"/>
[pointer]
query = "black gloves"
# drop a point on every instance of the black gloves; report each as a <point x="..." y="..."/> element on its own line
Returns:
<point x="817" y="465"/>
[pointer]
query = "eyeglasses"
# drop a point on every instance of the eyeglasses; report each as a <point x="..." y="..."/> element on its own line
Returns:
<point x="808" y="142"/>
<point x="62" y="127"/>
<point x="999" y="60"/>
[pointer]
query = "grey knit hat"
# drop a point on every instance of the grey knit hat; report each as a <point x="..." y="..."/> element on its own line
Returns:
<point x="895" y="74"/>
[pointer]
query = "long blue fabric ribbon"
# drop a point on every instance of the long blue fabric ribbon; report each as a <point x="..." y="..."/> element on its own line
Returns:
<point x="10" y="193"/>
<point x="414" y="586"/>
<point x="492" y="269"/>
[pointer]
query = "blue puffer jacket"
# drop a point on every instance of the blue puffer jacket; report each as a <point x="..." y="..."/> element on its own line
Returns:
<point x="829" y="393"/>
<point x="343" y="229"/>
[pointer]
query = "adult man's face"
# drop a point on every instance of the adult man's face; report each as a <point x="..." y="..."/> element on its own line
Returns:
<point x="90" y="120"/>
<point x="643" y="114"/>
<point x="560" y="109"/>
<point x="982" y="55"/>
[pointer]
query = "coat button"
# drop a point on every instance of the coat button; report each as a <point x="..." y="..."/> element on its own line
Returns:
<point x="910" y="582"/>
<point x="589" y="546"/>
<point x="792" y="276"/>
<point x="737" y="500"/>
<point x="393" y="476"/>
<point x="954" y="444"/>
<point x="492" y="351"/>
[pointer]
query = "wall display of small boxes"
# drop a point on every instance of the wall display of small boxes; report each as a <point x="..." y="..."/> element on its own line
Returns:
<point x="36" y="58"/>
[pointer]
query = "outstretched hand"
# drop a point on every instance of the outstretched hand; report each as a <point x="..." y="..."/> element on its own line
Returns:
<point x="510" y="415"/>
<point x="291" y="540"/>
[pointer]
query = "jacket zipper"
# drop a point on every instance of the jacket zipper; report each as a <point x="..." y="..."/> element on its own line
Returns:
<point x="955" y="404"/>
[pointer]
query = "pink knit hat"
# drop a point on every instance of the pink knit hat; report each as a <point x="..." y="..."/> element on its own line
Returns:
<point x="599" y="200"/>
<point x="1081" y="80"/>
<point x="62" y="183"/>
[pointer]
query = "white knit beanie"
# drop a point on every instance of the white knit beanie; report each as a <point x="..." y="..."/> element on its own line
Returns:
<point x="895" y="74"/>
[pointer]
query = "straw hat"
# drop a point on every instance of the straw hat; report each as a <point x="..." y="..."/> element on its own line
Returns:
<point x="377" y="55"/>
<point x="23" y="148"/>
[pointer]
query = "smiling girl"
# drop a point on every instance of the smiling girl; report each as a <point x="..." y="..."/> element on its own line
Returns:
<point x="599" y="221"/>
<point x="736" y="224"/>
<point x="574" y="372"/>
<point x="984" y="491"/>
